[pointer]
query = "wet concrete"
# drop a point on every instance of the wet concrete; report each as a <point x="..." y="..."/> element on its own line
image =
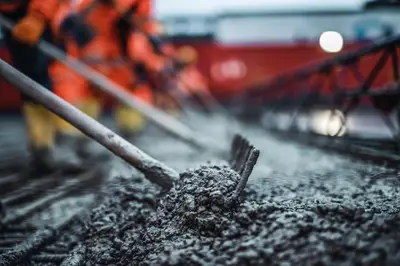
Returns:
<point x="302" y="206"/>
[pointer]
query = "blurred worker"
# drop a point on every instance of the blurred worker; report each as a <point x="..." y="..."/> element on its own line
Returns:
<point x="189" y="84"/>
<point x="160" y="44"/>
<point x="164" y="88"/>
<point x="32" y="23"/>
<point x="148" y="52"/>
<point x="101" y="37"/>
<point x="190" y="81"/>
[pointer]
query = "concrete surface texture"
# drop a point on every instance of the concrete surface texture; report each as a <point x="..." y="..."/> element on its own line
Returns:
<point x="302" y="206"/>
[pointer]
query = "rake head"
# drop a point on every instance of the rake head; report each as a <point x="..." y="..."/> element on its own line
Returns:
<point x="243" y="158"/>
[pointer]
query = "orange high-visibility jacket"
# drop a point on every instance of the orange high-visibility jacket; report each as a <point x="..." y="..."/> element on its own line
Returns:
<point x="47" y="8"/>
<point x="104" y="53"/>
<point x="102" y="18"/>
<point x="140" y="50"/>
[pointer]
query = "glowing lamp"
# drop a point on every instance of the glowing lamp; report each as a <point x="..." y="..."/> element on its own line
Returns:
<point x="331" y="41"/>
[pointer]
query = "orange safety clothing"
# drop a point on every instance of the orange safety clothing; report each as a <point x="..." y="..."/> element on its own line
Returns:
<point x="123" y="7"/>
<point x="45" y="8"/>
<point x="144" y="93"/>
<point x="140" y="50"/>
<point x="157" y="31"/>
<point x="35" y="16"/>
<point x="73" y="87"/>
<point x="102" y="19"/>
<point x="104" y="52"/>
<point x="139" y="13"/>
<point x="29" y="29"/>
<point x="64" y="9"/>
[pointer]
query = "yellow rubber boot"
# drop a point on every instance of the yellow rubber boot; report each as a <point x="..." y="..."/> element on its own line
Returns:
<point x="40" y="126"/>
<point x="41" y="129"/>
<point x="129" y="121"/>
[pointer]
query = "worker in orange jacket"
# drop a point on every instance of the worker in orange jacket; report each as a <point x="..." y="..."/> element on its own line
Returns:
<point x="164" y="89"/>
<point x="31" y="20"/>
<point x="190" y="86"/>
<point x="191" y="83"/>
<point x="93" y="35"/>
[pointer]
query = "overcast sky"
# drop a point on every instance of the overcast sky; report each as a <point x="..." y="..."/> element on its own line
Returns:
<point x="204" y="7"/>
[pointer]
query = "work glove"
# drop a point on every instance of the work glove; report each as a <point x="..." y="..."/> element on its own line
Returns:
<point x="75" y="26"/>
<point x="30" y="28"/>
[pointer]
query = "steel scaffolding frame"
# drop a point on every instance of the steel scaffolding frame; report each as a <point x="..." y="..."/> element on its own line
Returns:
<point x="324" y="85"/>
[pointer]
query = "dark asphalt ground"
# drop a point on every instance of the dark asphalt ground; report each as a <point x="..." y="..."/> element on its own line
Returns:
<point x="302" y="206"/>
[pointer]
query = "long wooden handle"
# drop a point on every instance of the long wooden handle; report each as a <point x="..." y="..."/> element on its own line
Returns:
<point x="154" y="170"/>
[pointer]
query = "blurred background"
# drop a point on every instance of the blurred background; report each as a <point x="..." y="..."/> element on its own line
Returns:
<point x="247" y="42"/>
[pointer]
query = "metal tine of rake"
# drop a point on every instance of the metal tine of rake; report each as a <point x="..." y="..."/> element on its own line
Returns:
<point x="243" y="149"/>
<point x="234" y="143"/>
<point x="235" y="151"/>
<point x="245" y="157"/>
<point x="248" y="169"/>
<point x="240" y="153"/>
